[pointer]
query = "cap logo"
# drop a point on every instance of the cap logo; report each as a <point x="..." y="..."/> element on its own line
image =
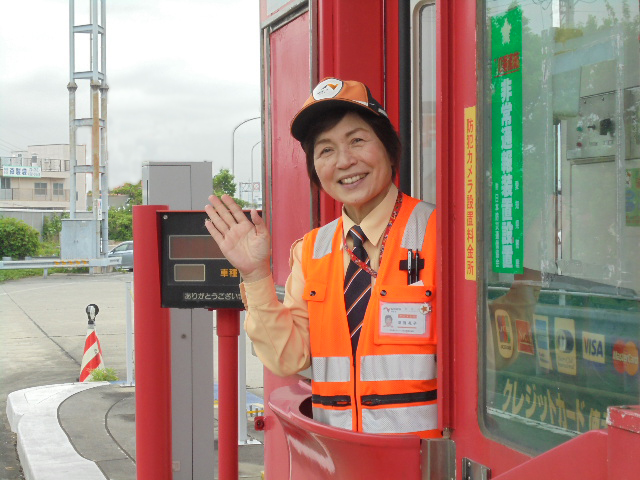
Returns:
<point x="328" y="88"/>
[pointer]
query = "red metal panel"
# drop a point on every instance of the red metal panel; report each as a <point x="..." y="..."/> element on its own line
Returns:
<point x="153" y="351"/>
<point x="351" y="47"/>
<point x="624" y="438"/>
<point x="581" y="458"/>
<point x="276" y="458"/>
<point x="456" y="90"/>
<point x="445" y="203"/>
<point x="321" y="452"/>
<point x="289" y="191"/>
<point x="392" y="62"/>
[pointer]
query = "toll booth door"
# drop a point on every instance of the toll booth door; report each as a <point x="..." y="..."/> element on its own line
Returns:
<point x="288" y="83"/>
<point x="287" y="201"/>
<point x="539" y="201"/>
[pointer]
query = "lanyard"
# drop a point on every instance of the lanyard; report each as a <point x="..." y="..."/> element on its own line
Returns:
<point x="360" y="263"/>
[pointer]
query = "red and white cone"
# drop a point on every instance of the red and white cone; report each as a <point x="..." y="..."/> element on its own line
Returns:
<point x="92" y="357"/>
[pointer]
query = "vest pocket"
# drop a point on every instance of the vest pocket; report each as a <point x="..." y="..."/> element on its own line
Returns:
<point x="314" y="291"/>
<point x="405" y="315"/>
<point x="400" y="418"/>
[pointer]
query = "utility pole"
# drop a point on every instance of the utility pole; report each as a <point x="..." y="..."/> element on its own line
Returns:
<point x="98" y="88"/>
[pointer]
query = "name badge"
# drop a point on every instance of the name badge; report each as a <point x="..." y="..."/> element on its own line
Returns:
<point x="405" y="318"/>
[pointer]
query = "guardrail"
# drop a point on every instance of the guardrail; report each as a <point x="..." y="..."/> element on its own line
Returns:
<point x="55" y="262"/>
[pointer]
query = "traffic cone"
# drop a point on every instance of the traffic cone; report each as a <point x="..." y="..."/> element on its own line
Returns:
<point x="92" y="357"/>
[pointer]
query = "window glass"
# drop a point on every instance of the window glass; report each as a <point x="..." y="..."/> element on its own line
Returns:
<point x="561" y="214"/>
<point x="58" y="188"/>
<point x="40" y="188"/>
<point x="427" y="103"/>
<point x="5" y="183"/>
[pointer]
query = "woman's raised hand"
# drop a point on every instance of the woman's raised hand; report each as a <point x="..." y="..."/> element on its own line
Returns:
<point x="246" y="245"/>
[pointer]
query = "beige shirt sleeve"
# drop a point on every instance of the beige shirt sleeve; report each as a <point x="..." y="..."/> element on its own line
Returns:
<point x="279" y="331"/>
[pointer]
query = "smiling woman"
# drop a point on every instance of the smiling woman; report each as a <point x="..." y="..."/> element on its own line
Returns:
<point x="350" y="162"/>
<point x="359" y="300"/>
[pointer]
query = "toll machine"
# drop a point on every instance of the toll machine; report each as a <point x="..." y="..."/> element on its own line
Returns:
<point x="180" y="276"/>
<point x="182" y="268"/>
<point x="519" y="120"/>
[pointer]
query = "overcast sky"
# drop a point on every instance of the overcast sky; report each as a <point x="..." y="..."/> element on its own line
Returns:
<point x="181" y="74"/>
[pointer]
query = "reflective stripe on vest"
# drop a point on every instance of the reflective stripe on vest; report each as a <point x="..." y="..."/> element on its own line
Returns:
<point x="399" y="420"/>
<point x="331" y="369"/>
<point x="397" y="367"/>
<point x="322" y="245"/>
<point x="417" y="226"/>
<point x="335" y="418"/>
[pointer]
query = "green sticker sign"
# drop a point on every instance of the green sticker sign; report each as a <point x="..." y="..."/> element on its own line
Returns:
<point x="506" y="142"/>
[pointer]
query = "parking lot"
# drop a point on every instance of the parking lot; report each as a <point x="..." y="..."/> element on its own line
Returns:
<point x="43" y="325"/>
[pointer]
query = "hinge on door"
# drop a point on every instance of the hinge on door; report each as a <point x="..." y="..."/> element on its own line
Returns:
<point x="474" y="471"/>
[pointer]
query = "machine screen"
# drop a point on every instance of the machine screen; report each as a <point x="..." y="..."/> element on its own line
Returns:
<point x="193" y="247"/>
<point x="189" y="273"/>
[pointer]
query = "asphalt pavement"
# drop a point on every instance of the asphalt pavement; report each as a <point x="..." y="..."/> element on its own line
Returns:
<point x="87" y="428"/>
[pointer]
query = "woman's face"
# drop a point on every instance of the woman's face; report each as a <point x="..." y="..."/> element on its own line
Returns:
<point x="353" y="166"/>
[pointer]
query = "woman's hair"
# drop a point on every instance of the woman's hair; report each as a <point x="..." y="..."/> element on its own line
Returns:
<point x="381" y="126"/>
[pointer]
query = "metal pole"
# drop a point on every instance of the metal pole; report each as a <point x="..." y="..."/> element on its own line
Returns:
<point x="242" y="384"/>
<point x="95" y="156"/>
<point x="233" y="138"/>
<point x="129" y="335"/>
<point x="228" y="330"/>
<point x="105" y="181"/>
<point x="72" y="87"/>
<point x="104" y="90"/>
<point x="252" y="148"/>
<point x="153" y="352"/>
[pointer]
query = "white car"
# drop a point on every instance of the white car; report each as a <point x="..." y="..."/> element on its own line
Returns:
<point x="124" y="250"/>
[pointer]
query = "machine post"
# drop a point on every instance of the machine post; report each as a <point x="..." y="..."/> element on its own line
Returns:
<point x="228" y="330"/>
<point x="152" y="351"/>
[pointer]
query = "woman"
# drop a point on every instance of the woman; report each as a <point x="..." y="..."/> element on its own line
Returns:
<point x="377" y="260"/>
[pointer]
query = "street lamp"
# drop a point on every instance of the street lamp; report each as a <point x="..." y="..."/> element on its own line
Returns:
<point x="233" y="140"/>
<point x="252" y="148"/>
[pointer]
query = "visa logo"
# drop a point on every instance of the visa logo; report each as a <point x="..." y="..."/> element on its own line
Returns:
<point x="593" y="345"/>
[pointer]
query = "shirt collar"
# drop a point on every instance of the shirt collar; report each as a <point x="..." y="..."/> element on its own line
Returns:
<point x="374" y="224"/>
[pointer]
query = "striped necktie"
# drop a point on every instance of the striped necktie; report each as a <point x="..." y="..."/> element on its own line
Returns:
<point x="357" y="287"/>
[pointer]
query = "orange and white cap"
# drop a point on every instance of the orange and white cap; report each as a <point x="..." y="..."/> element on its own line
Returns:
<point x="331" y="93"/>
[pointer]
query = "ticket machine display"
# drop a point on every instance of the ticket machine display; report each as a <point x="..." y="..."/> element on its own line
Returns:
<point x="195" y="273"/>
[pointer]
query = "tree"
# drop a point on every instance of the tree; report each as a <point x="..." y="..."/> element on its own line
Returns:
<point x="121" y="219"/>
<point x="17" y="239"/>
<point x="134" y="191"/>
<point x="52" y="226"/>
<point x="225" y="182"/>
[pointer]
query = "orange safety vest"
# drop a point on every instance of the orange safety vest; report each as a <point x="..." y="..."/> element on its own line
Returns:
<point x="391" y="387"/>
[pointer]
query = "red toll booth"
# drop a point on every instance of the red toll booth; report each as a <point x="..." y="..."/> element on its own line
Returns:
<point x="519" y="120"/>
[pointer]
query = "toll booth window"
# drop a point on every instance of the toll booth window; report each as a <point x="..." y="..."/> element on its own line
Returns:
<point x="424" y="66"/>
<point x="560" y="197"/>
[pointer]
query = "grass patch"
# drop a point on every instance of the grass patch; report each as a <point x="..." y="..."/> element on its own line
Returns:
<point x="103" y="375"/>
<point x="19" y="273"/>
<point x="49" y="249"/>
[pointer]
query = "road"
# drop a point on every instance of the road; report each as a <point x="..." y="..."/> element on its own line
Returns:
<point x="43" y="325"/>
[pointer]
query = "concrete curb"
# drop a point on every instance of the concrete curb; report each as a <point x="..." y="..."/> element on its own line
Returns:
<point x="43" y="447"/>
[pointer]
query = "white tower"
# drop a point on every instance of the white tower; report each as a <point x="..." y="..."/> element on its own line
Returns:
<point x="97" y="87"/>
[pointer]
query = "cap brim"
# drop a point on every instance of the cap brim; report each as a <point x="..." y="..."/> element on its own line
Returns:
<point x="301" y="122"/>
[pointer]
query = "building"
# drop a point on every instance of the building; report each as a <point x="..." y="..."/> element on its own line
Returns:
<point x="35" y="183"/>
<point x="40" y="178"/>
